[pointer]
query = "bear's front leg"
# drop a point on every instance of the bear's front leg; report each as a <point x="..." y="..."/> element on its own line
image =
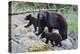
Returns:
<point x="40" y="30"/>
<point x="50" y="29"/>
<point x="28" y="25"/>
<point x="46" y="41"/>
<point x="52" y="43"/>
<point x="35" y="28"/>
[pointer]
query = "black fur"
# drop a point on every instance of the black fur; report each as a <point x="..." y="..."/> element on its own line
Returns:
<point x="52" y="21"/>
<point x="32" y="20"/>
<point x="52" y="37"/>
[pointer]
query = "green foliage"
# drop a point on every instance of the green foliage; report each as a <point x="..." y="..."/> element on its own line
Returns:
<point x="72" y="20"/>
<point x="70" y="12"/>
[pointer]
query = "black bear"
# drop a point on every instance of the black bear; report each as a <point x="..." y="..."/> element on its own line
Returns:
<point x="32" y="20"/>
<point x="52" y="21"/>
<point x="52" y="37"/>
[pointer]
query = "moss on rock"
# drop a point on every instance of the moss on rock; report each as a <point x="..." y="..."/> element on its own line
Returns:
<point x="38" y="46"/>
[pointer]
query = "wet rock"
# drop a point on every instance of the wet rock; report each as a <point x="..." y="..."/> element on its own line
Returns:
<point x="74" y="35"/>
<point x="27" y="41"/>
<point x="74" y="39"/>
<point x="58" y="48"/>
<point x="66" y="44"/>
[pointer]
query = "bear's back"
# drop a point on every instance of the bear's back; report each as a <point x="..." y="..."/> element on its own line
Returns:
<point x="53" y="36"/>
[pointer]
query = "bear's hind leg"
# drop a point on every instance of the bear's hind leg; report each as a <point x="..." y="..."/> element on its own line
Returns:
<point x="60" y="44"/>
<point x="63" y="33"/>
<point x="56" y="43"/>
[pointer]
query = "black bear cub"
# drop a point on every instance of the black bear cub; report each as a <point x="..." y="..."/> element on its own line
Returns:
<point x="32" y="21"/>
<point x="52" y="37"/>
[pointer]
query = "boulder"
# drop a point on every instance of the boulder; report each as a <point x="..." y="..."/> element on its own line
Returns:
<point x="67" y="44"/>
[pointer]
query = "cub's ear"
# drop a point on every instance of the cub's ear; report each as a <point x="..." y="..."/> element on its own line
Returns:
<point x="30" y="15"/>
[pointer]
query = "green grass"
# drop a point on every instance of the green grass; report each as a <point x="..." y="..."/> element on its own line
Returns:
<point x="72" y="21"/>
<point x="71" y="18"/>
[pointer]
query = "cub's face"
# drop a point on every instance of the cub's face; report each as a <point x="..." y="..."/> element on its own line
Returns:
<point x="28" y="17"/>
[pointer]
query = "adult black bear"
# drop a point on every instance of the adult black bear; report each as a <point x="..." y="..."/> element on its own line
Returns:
<point x="32" y="20"/>
<point x="52" y="21"/>
<point x="52" y="37"/>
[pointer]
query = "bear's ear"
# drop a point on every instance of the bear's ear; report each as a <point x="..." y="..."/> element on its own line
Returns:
<point x="43" y="32"/>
